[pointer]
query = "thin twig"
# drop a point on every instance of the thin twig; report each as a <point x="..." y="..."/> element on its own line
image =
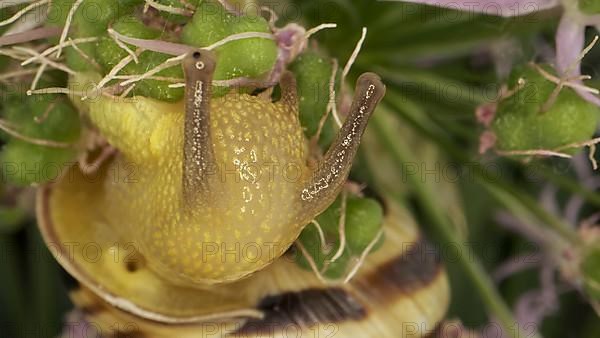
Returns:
<point x="230" y="7"/>
<point x="7" y="4"/>
<point x="167" y="64"/>
<point x="240" y="36"/>
<point x="176" y="60"/>
<point x="175" y="80"/>
<point x="363" y="257"/>
<point x="33" y="19"/>
<point x="273" y="17"/>
<point x="55" y="90"/>
<point x="565" y="80"/>
<point x="187" y="5"/>
<point x="122" y="45"/>
<point x="532" y="152"/>
<point x="555" y="152"/>
<point x="4" y="125"/>
<point x="241" y="82"/>
<point x="68" y="22"/>
<point x="43" y="59"/>
<point x="13" y="54"/>
<point x="38" y="75"/>
<point x="324" y="246"/>
<point x="159" y="46"/>
<point x="71" y="42"/>
<point x="583" y="53"/>
<point x="234" y="82"/>
<point x="311" y="262"/>
<point x="592" y="158"/>
<point x="580" y="144"/>
<point x="341" y="229"/>
<point x="17" y="73"/>
<point x="108" y="77"/>
<point x="128" y="90"/>
<point x="318" y="28"/>
<point x="23" y="11"/>
<point x="167" y="8"/>
<point x="85" y="56"/>
<point x="45" y="114"/>
<point x="332" y="106"/>
<point x="90" y="168"/>
<point x="34" y="34"/>
<point x="354" y="55"/>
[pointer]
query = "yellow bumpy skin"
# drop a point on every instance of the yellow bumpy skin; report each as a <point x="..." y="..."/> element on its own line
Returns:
<point x="211" y="191"/>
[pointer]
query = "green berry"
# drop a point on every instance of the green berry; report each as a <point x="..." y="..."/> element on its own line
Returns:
<point x="78" y="62"/>
<point x="4" y="14"/>
<point x="589" y="6"/>
<point x="176" y="18"/>
<point x="47" y="117"/>
<point x="44" y="117"/>
<point x="329" y="219"/>
<point x="520" y="123"/>
<point x="155" y="88"/>
<point x="340" y="267"/>
<point x="313" y="73"/>
<point x="92" y="16"/>
<point x="364" y="218"/>
<point x="130" y="3"/>
<point x="251" y="57"/>
<point x="26" y="164"/>
<point x="58" y="12"/>
<point x="590" y="269"/>
<point x="91" y="19"/>
<point x="11" y="219"/>
<point x="109" y="54"/>
<point x="3" y="62"/>
<point x="311" y="241"/>
<point x="107" y="50"/>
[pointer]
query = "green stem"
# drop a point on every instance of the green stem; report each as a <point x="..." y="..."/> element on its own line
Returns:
<point x="569" y="184"/>
<point x="444" y="88"/>
<point x="557" y="225"/>
<point x="485" y="286"/>
<point x="44" y="295"/>
<point x="561" y="181"/>
<point x="12" y="294"/>
<point x="555" y="245"/>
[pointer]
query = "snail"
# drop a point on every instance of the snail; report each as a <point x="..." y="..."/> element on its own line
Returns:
<point x="187" y="229"/>
<point x="223" y="189"/>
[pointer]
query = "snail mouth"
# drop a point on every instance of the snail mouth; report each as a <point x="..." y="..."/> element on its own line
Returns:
<point x="111" y="273"/>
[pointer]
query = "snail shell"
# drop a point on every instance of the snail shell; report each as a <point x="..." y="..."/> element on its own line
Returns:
<point x="402" y="287"/>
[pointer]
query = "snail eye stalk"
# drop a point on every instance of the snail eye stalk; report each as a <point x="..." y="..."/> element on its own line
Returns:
<point x="198" y="153"/>
<point x="331" y="173"/>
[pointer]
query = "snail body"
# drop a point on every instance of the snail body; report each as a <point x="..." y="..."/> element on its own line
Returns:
<point x="146" y="212"/>
<point x="222" y="186"/>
